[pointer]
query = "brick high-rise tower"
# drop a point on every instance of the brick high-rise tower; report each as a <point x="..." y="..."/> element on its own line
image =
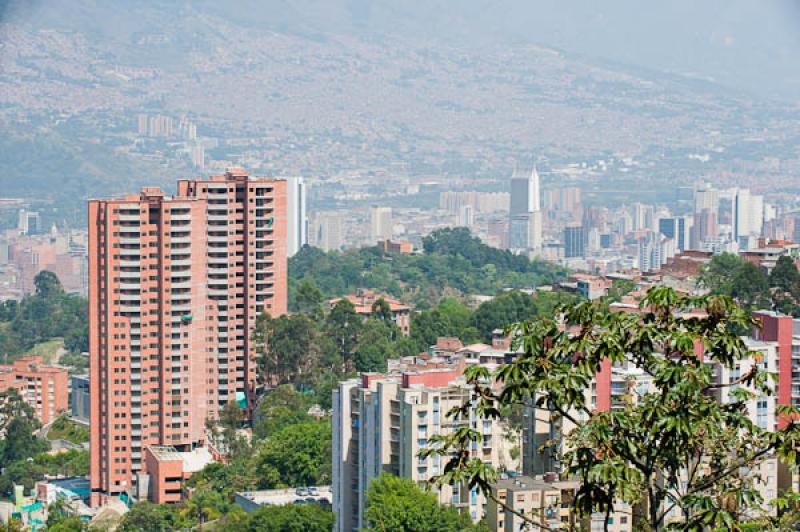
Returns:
<point x="176" y="284"/>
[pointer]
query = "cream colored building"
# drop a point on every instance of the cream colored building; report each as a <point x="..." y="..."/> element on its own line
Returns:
<point x="381" y="422"/>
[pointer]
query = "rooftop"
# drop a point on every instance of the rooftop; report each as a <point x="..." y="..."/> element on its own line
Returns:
<point x="280" y="497"/>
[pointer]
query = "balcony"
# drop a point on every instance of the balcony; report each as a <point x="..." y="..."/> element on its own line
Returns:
<point x="181" y="240"/>
<point x="129" y="217"/>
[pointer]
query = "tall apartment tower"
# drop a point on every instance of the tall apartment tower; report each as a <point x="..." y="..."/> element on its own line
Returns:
<point x="175" y="285"/>
<point x="678" y="228"/>
<point x="748" y="217"/>
<point x="380" y="219"/>
<point x="296" y="215"/>
<point x="525" y="215"/>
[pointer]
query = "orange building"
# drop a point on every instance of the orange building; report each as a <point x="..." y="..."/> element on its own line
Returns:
<point x="364" y="299"/>
<point x="44" y="388"/>
<point x="396" y="246"/>
<point x="175" y="285"/>
<point x="167" y="469"/>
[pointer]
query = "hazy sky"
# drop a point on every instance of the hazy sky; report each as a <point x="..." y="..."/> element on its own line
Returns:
<point x="748" y="44"/>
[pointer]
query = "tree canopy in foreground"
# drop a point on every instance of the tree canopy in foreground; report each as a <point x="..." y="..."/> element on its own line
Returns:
<point x="674" y="448"/>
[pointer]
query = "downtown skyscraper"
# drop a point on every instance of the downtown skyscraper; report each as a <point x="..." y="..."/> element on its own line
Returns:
<point x="525" y="215"/>
<point x="176" y="284"/>
<point x="296" y="215"/>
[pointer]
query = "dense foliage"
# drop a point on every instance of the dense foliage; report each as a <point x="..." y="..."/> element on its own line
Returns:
<point x="398" y="504"/>
<point x="672" y="445"/>
<point x="23" y="456"/>
<point x="48" y="313"/>
<point x="65" y="429"/>
<point x="315" y="347"/>
<point x="730" y="275"/>
<point x="453" y="263"/>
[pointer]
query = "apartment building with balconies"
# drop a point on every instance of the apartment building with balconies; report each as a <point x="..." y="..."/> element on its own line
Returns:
<point x="176" y="284"/>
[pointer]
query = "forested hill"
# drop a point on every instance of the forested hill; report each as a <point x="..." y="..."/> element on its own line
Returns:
<point x="453" y="263"/>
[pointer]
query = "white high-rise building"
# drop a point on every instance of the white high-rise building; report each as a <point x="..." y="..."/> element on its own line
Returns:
<point x="380" y="219"/>
<point x="525" y="215"/>
<point x="706" y="197"/>
<point x="466" y="216"/>
<point x="296" y="215"/>
<point x="29" y="222"/>
<point x="327" y="231"/>
<point x="748" y="217"/>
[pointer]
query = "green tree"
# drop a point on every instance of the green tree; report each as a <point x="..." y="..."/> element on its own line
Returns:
<point x="308" y="299"/>
<point x="750" y="286"/>
<point x="205" y="505"/>
<point x="397" y="504"/>
<point x="280" y="407"/>
<point x="514" y="306"/>
<point x="785" y="276"/>
<point x="344" y="326"/>
<point x="454" y="263"/>
<point x="48" y="314"/>
<point x="297" y="455"/>
<point x="375" y="345"/>
<point x="19" y="442"/>
<point x="381" y="310"/>
<point x="288" y="518"/>
<point x="717" y="276"/>
<point x="289" y="347"/>
<point x="148" y="517"/>
<point x="47" y="284"/>
<point x="238" y="475"/>
<point x="675" y="447"/>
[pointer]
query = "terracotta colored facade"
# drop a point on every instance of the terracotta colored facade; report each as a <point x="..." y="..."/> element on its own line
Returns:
<point x="44" y="388"/>
<point x="778" y="328"/>
<point x="396" y="246"/>
<point x="175" y="285"/>
<point x="364" y="299"/>
<point x="166" y="475"/>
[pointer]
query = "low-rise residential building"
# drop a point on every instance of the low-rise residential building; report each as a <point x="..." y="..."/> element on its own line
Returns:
<point x="42" y="386"/>
<point x="364" y="300"/>
<point x="546" y="502"/>
<point x="166" y="469"/>
<point x="396" y="246"/>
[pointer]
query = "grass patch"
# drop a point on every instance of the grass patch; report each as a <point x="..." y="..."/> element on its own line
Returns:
<point x="64" y="429"/>
<point x="47" y="350"/>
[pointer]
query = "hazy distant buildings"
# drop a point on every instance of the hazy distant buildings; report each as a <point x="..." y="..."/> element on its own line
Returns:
<point x="380" y="219"/>
<point x="574" y="241"/>
<point x="654" y="250"/>
<point x="679" y="229"/>
<point x="483" y="202"/>
<point x="296" y="215"/>
<point x="644" y="218"/>
<point x="466" y="216"/>
<point x="748" y="217"/>
<point x="197" y="154"/>
<point x="327" y="231"/>
<point x="525" y="215"/>
<point x="29" y="222"/>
